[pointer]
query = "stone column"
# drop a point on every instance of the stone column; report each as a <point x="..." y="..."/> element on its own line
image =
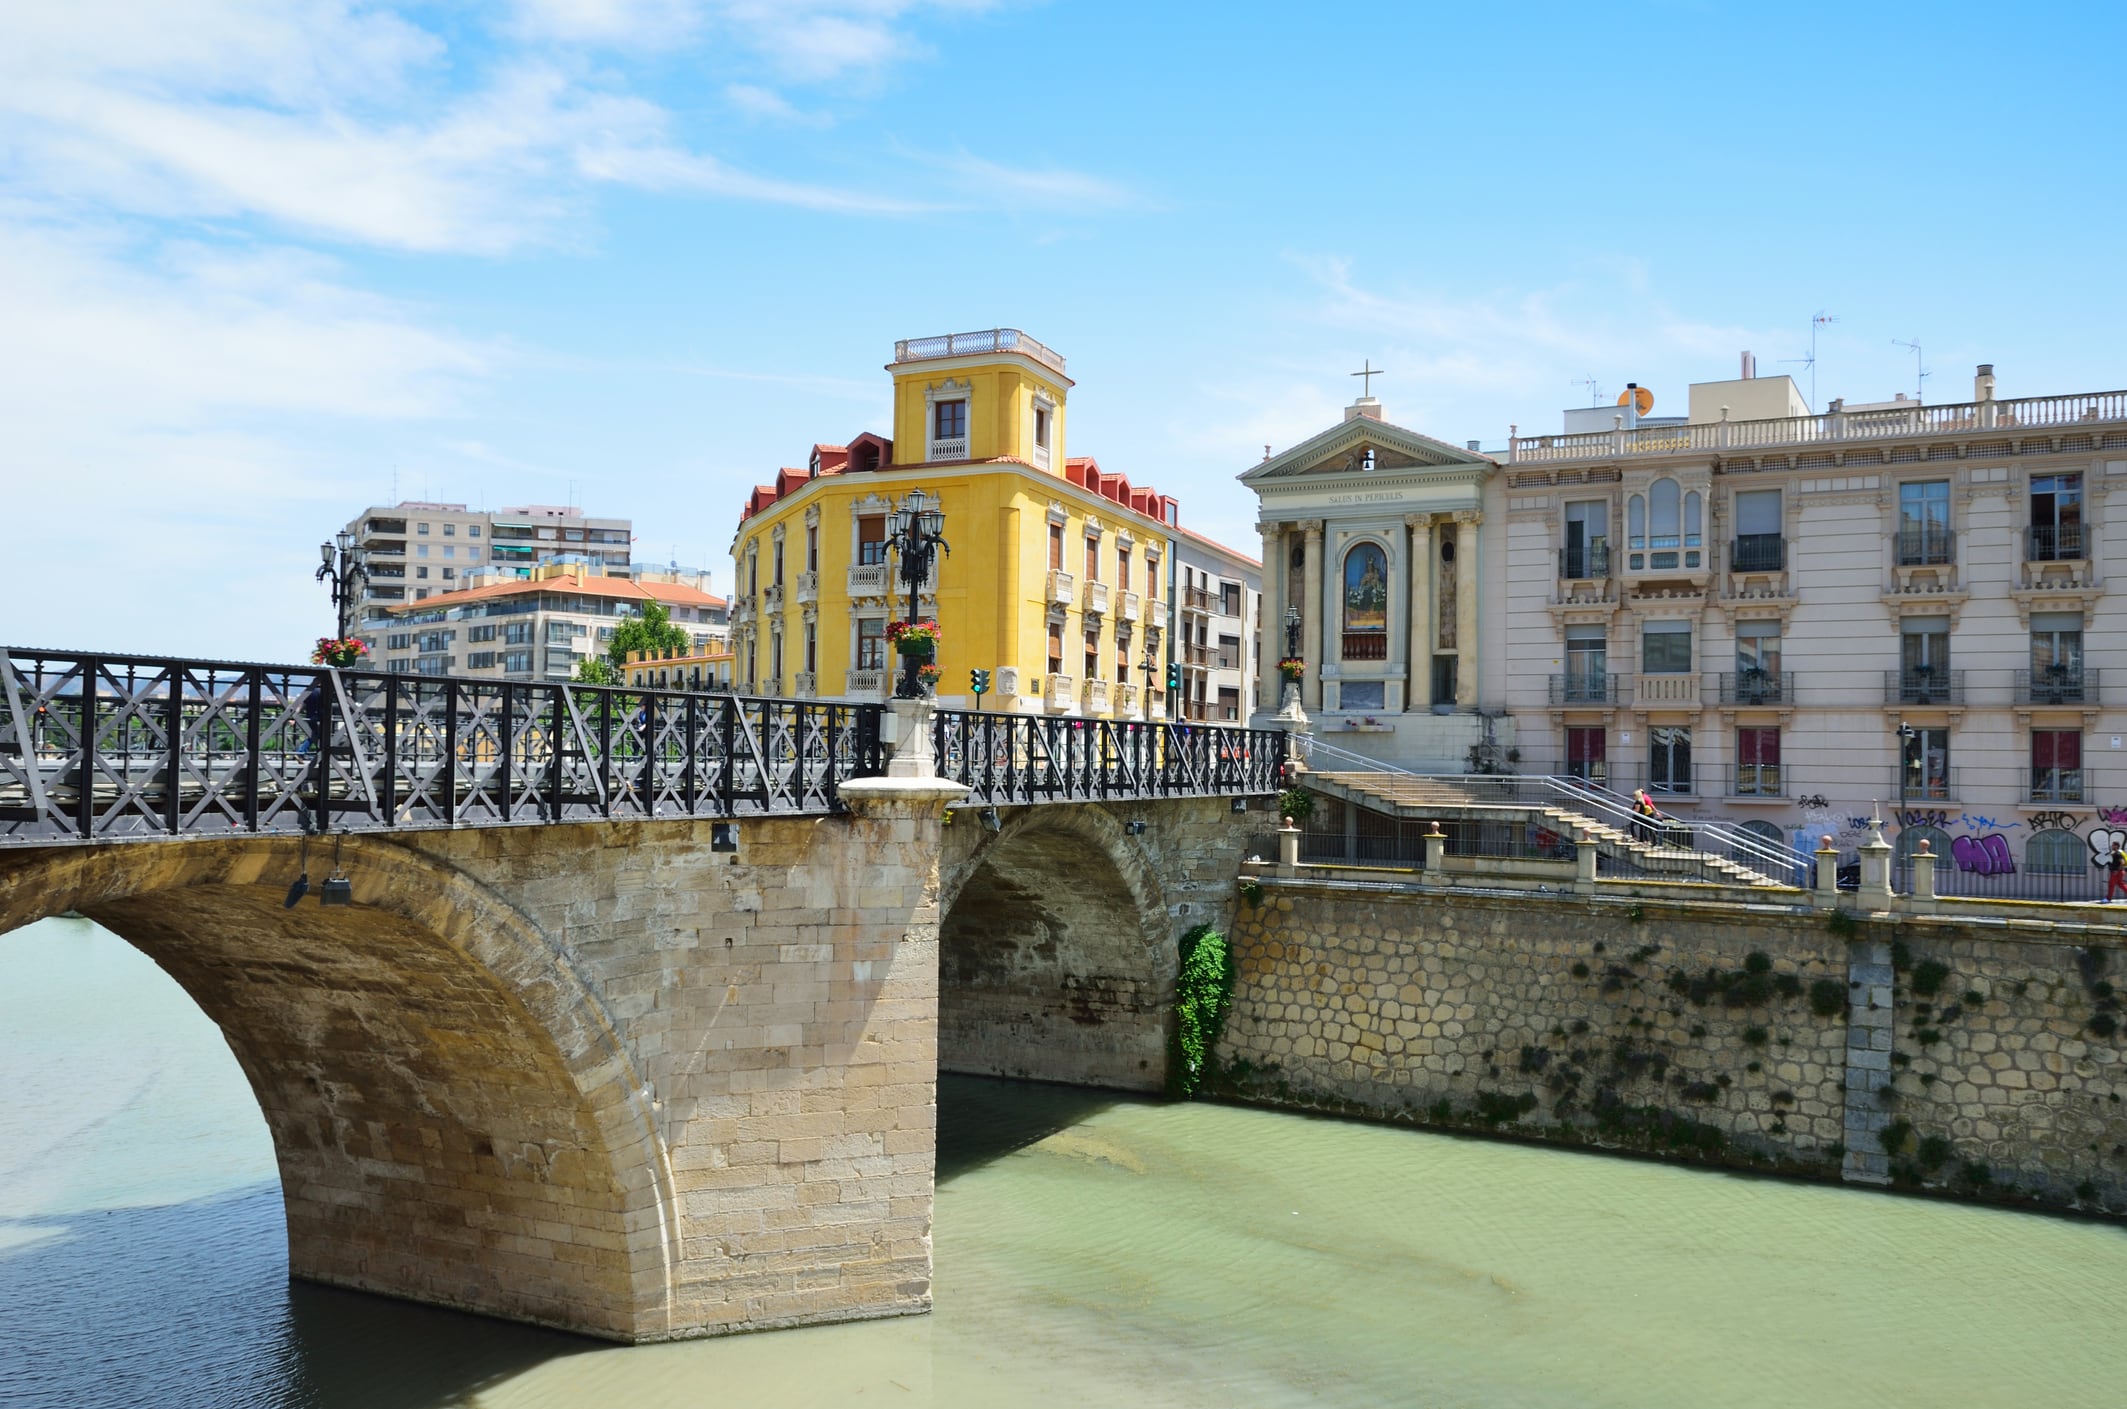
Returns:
<point x="1466" y="589"/>
<point x="1311" y="610"/>
<point x="1875" y="892"/>
<point x="1272" y="624"/>
<point x="1418" y="694"/>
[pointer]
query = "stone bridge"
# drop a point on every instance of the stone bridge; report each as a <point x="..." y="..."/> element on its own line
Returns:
<point x="649" y="1079"/>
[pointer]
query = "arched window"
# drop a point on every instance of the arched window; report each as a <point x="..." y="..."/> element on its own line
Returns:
<point x="1636" y="522"/>
<point x="2056" y="853"/>
<point x="1662" y="527"/>
<point x="1366" y="603"/>
<point x="1691" y="520"/>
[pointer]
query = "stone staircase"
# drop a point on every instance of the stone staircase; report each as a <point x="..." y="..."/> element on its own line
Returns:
<point x="1423" y="798"/>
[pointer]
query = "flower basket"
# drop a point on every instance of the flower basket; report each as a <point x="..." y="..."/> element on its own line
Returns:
<point x="338" y="652"/>
<point x="1292" y="667"/>
<point x="928" y="674"/>
<point x="914" y="638"/>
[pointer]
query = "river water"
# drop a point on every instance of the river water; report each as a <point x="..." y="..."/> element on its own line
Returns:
<point x="1091" y="1249"/>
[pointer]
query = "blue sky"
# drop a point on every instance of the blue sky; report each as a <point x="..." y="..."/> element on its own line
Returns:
<point x="259" y="256"/>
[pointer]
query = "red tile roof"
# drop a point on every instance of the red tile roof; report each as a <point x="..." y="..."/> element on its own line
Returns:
<point x="671" y="594"/>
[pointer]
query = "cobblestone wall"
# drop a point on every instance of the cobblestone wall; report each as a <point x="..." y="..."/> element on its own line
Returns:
<point x="1916" y="1051"/>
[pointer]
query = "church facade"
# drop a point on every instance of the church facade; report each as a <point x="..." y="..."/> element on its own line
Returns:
<point x="1375" y="575"/>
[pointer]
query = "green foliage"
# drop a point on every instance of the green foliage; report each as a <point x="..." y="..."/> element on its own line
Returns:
<point x="1296" y="803"/>
<point x="2103" y="1024"/>
<point x="1934" y="1153"/>
<point x="1202" y="992"/>
<point x="596" y="670"/>
<point x="1974" y="998"/>
<point x="2086" y="1191"/>
<point x="1977" y="1175"/>
<point x="1756" y="1036"/>
<point x="1894" y="1136"/>
<point x="1842" y="925"/>
<point x="1580" y="970"/>
<point x="648" y="629"/>
<point x="1928" y="977"/>
<point x="1757" y="962"/>
<point x="1901" y="955"/>
<point x="1928" y="1036"/>
<point x="1498" y="1108"/>
<point x="1787" y="986"/>
<point x="1252" y="890"/>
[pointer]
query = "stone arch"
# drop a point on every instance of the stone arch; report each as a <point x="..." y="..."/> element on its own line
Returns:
<point x="1054" y="957"/>
<point x="454" y="1115"/>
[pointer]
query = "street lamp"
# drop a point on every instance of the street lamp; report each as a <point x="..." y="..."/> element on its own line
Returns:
<point x="917" y="531"/>
<point x="1292" y="630"/>
<point x="1151" y="663"/>
<point x="343" y="566"/>
<point x="1906" y="736"/>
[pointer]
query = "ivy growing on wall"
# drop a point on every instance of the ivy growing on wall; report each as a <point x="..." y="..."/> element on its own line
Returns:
<point x="1202" y="992"/>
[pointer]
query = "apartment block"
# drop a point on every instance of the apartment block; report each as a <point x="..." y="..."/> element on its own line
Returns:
<point x="417" y="549"/>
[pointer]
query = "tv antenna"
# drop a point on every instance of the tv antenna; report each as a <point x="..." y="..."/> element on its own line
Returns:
<point x="1595" y="389"/>
<point x="1816" y="321"/>
<point x="1920" y="367"/>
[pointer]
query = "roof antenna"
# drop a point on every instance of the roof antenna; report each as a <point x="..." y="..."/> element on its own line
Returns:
<point x="1595" y="389"/>
<point x="1920" y="368"/>
<point x="1817" y="320"/>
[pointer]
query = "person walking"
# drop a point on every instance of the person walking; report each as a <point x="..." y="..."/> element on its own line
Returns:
<point x="2116" y="871"/>
<point x="1644" y="814"/>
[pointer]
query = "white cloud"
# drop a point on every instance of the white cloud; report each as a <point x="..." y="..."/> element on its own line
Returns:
<point x="765" y="104"/>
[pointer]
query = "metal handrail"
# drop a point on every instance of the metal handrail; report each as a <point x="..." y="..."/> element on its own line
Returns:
<point x="1020" y="758"/>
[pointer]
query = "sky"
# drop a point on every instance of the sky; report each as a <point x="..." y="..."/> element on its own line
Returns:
<point x="266" y="262"/>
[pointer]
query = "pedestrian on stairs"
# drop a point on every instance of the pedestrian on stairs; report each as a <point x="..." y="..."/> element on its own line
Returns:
<point x="1645" y="815"/>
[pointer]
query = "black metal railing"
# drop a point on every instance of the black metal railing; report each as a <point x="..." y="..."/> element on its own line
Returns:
<point x="112" y="747"/>
<point x="1758" y="687"/>
<point x="1924" y="686"/>
<point x="1021" y="758"/>
<point x="1757" y="552"/>
<point x="1589" y="561"/>
<point x="2053" y="543"/>
<point x="1926" y="545"/>
<point x="2056" y="785"/>
<point x="1584" y="687"/>
<point x="2056" y="685"/>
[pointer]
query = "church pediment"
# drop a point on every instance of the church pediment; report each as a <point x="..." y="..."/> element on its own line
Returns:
<point x="1365" y="446"/>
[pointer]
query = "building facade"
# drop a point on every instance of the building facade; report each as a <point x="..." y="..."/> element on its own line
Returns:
<point x="415" y="549"/>
<point x="1060" y="576"/>
<point x="1218" y="603"/>
<point x="538" y="627"/>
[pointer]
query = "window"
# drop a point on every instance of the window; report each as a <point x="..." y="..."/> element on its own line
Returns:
<point x="753" y="570"/>
<point x="1229" y="657"/>
<point x="1055" y="547"/>
<point x="776" y="658"/>
<point x="1665" y="648"/>
<point x="1924" y="660"/>
<point x="1758" y="679"/>
<point x="1092" y="655"/>
<point x="1924" y="522"/>
<point x="775" y="570"/>
<point x="1041" y="426"/>
<point x="420" y="550"/>
<point x="1152" y="576"/>
<point x="1365" y="603"/>
<point x="1055" y="648"/>
<point x="2056" y="765"/>
<point x="480" y="633"/>
<point x="472" y="530"/>
<point x="516" y="662"/>
<point x="480" y="660"/>
<point x="1926" y="772"/>
<point x="871" y="643"/>
<point x="421" y="528"/>
<point x="1122" y="567"/>
<point x="420" y="572"/>
<point x="812" y="548"/>
<point x="1587" y="754"/>
<point x="450" y="530"/>
<point x="1666" y="522"/>
<point x="1587" y="668"/>
<point x="871" y="539"/>
<point x="517" y="633"/>
<point x="949" y="420"/>
<point x="812" y="647"/>
<point x="1587" y="548"/>
<point x="1757" y="763"/>
<point x="1092" y="557"/>
<point x="2056" y="518"/>
<point x="449" y="573"/>
<point x="1669" y="759"/>
<point x="1759" y="546"/>
<point x="399" y="641"/>
<point x="1230" y="599"/>
<point x="2056" y="658"/>
<point x="2056" y="853"/>
<point x="1229" y="703"/>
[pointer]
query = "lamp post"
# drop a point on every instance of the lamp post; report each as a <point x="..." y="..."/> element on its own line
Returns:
<point x="1906" y="735"/>
<point x="1292" y="630"/>
<point x="1151" y="663"/>
<point x="916" y="530"/>
<point x="343" y="566"/>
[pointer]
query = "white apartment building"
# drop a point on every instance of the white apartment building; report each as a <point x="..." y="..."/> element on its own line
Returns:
<point x="1801" y="621"/>
<point x="538" y="627"/>
<point x="1217" y="602"/>
<point x="417" y="549"/>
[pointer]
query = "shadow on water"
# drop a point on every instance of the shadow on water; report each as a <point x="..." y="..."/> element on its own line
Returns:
<point x="187" y="1306"/>
<point x="985" y="1118"/>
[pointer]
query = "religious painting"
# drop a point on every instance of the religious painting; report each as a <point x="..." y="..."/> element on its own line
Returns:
<point x="1365" y="590"/>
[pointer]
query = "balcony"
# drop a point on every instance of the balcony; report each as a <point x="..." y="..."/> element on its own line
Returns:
<point x="1126" y="605"/>
<point x="1097" y="598"/>
<point x="870" y="580"/>
<point x="1062" y="588"/>
<point x="2056" y="685"/>
<point x="1364" y="645"/>
<point x="1588" y="563"/>
<point x="1125" y="697"/>
<point x="947" y="448"/>
<point x="867" y="684"/>
<point x="742" y="612"/>
<point x="1759" y="780"/>
<point x="1757" y="552"/>
<point x="1758" y="687"/>
<point x="808" y="686"/>
<point x="1924" y="685"/>
<point x="1096" y="697"/>
<point x="987" y="340"/>
<point x="394" y="549"/>
<point x="1195" y="656"/>
<point x="1199" y="600"/>
<point x="1667" y="692"/>
<point x="772" y="598"/>
<point x="2056" y="785"/>
<point x="2055" y="544"/>
<point x="1059" y="693"/>
<point x="1928" y="545"/>
<point x="1584" y="687"/>
<point x="808" y="588"/>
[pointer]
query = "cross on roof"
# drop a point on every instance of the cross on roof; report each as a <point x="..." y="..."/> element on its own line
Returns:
<point x="1367" y="385"/>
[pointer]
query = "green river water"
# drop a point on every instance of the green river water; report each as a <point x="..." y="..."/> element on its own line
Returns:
<point x="1091" y="1249"/>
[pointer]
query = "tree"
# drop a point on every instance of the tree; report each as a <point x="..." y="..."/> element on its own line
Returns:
<point x="649" y="630"/>
<point x="596" y="670"/>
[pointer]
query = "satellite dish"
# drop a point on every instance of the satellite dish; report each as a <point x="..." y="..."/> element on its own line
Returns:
<point x="1642" y="399"/>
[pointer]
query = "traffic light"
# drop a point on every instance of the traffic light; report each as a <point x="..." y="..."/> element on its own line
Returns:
<point x="979" y="682"/>
<point x="1174" y="676"/>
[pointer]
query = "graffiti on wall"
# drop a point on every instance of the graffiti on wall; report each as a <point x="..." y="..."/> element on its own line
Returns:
<point x="1986" y="855"/>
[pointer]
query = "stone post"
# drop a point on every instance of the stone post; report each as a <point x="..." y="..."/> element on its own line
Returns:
<point x="1436" y="843"/>
<point x="1875" y="869"/>
<point x="1418" y="693"/>
<point x="1584" y="865"/>
<point x="1311" y="627"/>
<point x="1827" y="874"/>
<point x="1923" y="896"/>
<point x="1288" y="849"/>
<point x="908" y="733"/>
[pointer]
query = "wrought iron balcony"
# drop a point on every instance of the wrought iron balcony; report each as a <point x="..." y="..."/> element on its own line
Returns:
<point x="1589" y="561"/>
<point x="2056" y="685"/>
<point x="2057" y="543"/>
<point x="1927" y="545"/>
<point x="1590" y="687"/>
<point x="2056" y="785"/>
<point x="1757" y="552"/>
<point x="1758" y="687"/>
<point x="1924" y="685"/>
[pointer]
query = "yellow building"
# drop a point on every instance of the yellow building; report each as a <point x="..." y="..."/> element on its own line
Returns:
<point x="1057" y="579"/>
<point x="679" y="670"/>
